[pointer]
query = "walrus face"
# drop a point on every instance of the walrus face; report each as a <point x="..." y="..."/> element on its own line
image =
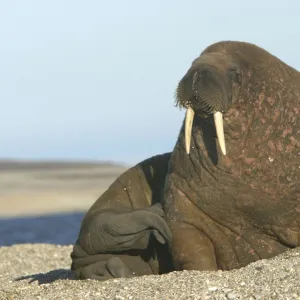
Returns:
<point x="209" y="88"/>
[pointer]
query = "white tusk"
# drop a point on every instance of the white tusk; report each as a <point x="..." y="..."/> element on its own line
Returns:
<point x="189" y="117"/>
<point x="218" y="118"/>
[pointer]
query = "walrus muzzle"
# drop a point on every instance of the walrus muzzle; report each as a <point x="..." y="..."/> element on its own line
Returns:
<point x="218" y="120"/>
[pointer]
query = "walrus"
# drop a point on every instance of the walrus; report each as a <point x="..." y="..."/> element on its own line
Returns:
<point x="124" y="234"/>
<point x="232" y="191"/>
<point x="227" y="195"/>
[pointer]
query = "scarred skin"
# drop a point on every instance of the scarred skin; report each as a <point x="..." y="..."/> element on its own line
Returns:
<point x="225" y="212"/>
<point x="128" y="203"/>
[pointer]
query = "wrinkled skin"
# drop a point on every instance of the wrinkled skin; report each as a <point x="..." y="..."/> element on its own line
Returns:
<point x="124" y="234"/>
<point x="225" y="212"/>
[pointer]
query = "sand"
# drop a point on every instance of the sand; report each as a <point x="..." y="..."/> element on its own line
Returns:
<point x="41" y="271"/>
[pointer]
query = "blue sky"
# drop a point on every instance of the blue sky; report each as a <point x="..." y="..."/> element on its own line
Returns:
<point x="95" y="79"/>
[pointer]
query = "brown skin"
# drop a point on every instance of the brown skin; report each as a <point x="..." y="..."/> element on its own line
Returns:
<point x="123" y="234"/>
<point x="225" y="212"/>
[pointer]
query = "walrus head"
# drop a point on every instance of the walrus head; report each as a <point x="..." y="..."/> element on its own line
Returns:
<point x="209" y="87"/>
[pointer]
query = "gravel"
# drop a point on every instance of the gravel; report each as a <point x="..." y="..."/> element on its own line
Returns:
<point x="41" y="271"/>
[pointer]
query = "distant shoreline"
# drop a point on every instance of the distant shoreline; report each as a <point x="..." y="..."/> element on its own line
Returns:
<point x="22" y="164"/>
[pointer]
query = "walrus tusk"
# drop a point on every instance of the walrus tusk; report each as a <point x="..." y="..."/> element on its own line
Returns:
<point x="218" y="118"/>
<point x="189" y="117"/>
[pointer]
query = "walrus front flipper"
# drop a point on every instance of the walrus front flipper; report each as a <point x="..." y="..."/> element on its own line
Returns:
<point x="104" y="270"/>
<point x="110" y="231"/>
<point x="113" y="242"/>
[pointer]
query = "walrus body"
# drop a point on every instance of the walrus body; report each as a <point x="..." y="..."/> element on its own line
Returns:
<point x="124" y="254"/>
<point x="226" y="211"/>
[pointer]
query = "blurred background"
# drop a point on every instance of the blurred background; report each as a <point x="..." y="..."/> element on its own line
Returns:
<point x="87" y="90"/>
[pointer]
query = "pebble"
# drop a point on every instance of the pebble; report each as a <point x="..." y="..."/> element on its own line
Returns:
<point x="231" y="295"/>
